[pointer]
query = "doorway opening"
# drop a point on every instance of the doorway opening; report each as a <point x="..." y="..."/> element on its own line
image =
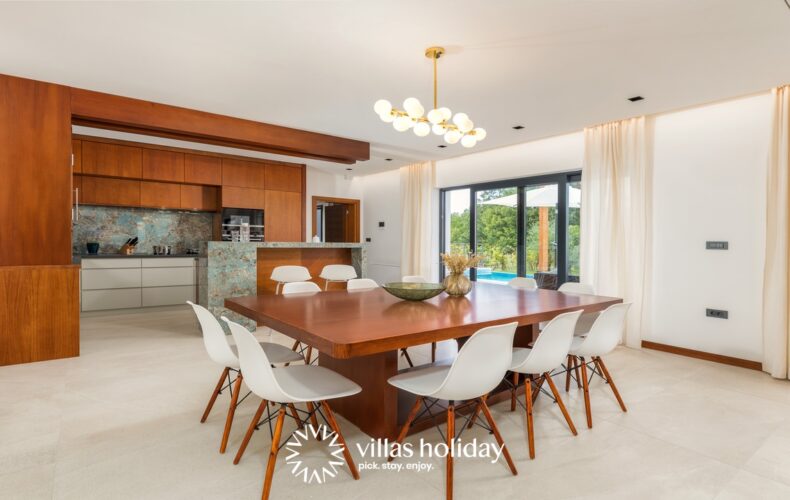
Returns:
<point x="336" y="220"/>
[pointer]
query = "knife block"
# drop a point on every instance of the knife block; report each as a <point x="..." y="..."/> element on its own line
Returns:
<point x="126" y="250"/>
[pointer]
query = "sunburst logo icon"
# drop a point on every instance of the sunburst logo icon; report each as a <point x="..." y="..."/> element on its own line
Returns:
<point x="310" y="473"/>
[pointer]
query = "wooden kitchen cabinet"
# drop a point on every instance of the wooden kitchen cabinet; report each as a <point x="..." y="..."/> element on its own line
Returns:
<point x="245" y="174"/>
<point x="160" y="195"/>
<point x="111" y="192"/>
<point x="283" y="177"/>
<point x="112" y="160"/>
<point x="76" y="150"/>
<point x="161" y="165"/>
<point x="282" y="216"/>
<point x="203" y="198"/>
<point x="202" y="169"/>
<point x="238" y="197"/>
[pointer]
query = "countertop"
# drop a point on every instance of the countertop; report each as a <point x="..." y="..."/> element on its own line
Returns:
<point x="78" y="258"/>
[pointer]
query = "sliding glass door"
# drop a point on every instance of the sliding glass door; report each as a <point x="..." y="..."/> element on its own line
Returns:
<point x="523" y="227"/>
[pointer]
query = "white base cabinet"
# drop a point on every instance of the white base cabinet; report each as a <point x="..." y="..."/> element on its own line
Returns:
<point x="125" y="283"/>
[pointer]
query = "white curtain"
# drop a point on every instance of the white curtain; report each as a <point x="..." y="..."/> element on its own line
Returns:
<point x="417" y="183"/>
<point x="616" y="216"/>
<point x="777" y="250"/>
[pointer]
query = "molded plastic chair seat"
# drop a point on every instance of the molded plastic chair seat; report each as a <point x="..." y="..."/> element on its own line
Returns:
<point x="337" y="273"/>
<point x="361" y="284"/>
<point x="520" y="355"/>
<point x="587" y="319"/>
<point x="277" y="354"/>
<point x="300" y="287"/>
<point x="523" y="283"/>
<point x="289" y="274"/>
<point x="422" y="382"/>
<point x="305" y="383"/>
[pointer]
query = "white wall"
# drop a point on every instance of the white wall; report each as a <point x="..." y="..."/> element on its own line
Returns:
<point x="320" y="183"/>
<point x="381" y="203"/>
<point x="709" y="184"/>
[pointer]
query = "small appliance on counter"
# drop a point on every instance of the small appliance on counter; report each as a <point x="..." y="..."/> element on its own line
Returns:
<point x="163" y="250"/>
<point x="241" y="224"/>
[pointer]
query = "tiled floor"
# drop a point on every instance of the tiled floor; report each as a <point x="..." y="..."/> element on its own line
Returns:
<point x="121" y="421"/>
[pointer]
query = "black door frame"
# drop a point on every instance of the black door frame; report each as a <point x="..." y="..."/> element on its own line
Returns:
<point x="561" y="179"/>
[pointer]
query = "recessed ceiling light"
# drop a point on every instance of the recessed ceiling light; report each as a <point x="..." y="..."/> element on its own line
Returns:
<point x="636" y="98"/>
<point x="442" y="146"/>
<point x="387" y="159"/>
<point x="518" y="127"/>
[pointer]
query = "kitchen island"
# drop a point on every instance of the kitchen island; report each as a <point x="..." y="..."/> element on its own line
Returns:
<point x="231" y="269"/>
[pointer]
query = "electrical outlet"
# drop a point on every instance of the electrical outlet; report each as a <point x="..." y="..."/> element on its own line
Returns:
<point x="717" y="313"/>
<point x="717" y="245"/>
<point x="381" y="223"/>
<point x="368" y="240"/>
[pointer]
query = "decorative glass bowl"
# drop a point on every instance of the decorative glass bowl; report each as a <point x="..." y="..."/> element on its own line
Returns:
<point x="413" y="291"/>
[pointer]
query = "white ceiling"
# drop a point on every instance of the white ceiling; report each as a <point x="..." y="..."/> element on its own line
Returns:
<point x="553" y="66"/>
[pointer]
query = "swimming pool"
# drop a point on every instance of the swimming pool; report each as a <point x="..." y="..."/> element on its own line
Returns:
<point x="496" y="276"/>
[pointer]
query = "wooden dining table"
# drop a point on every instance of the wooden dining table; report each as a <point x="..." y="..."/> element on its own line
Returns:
<point x="359" y="334"/>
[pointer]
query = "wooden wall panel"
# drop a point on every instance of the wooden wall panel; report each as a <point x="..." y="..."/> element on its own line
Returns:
<point x="114" y="160"/>
<point x="35" y="173"/>
<point x="314" y="259"/>
<point x="160" y="194"/>
<point x="110" y="192"/>
<point x="160" y="165"/>
<point x="76" y="150"/>
<point x="239" y="173"/>
<point x="202" y="169"/>
<point x="39" y="313"/>
<point x="284" y="177"/>
<point x="283" y="216"/>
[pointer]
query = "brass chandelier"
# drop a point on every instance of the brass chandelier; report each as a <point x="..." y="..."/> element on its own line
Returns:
<point x="441" y="121"/>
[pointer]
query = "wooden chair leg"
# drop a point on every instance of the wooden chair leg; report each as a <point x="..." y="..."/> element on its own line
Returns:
<point x="476" y="413"/>
<point x="408" y="359"/>
<point x="498" y="436"/>
<point x="295" y="347"/>
<point x="433" y="352"/>
<point x="586" y="386"/>
<point x="564" y="410"/>
<point x="309" y="355"/>
<point x="602" y="368"/>
<point x="295" y="415"/>
<point x="215" y="394"/>
<point x="314" y="419"/>
<point x="409" y="419"/>
<point x="569" y="366"/>
<point x="530" y="423"/>
<point x="346" y="453"/>
<point x="278" y="431"/>
<point x="513" y="393"/>
<point x="250" y="430"/>
<point x="576" y="372"/>
<point x="231" y="411"/>
<point x="450" y="440"/>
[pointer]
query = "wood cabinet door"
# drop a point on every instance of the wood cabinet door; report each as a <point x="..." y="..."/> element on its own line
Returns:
<point x="240" y="173"/>
<point x="112" y="160"/>
<point x="282" y="216"/>
<point x="202" y="198"/>
<point x="111" y="192"/>
<point x="283" y="178"/>
<point x="238" y="197"/>
<point x="160" y="165"/>
<point x="160" y="195"/>
<point x="201" y="169"/>
<point x="76" y="150"/>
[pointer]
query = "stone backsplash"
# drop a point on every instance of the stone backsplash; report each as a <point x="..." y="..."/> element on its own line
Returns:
<point x="112" y="226"/>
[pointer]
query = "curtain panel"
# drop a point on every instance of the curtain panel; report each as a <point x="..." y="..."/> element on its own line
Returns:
<point x="776" y="331"/>
<point x="616" y="216"/>
<point x="417" y="184"/>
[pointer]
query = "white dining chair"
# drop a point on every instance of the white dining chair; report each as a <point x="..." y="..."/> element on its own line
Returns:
<point x="479" y="367"/>
<point x="222" y="353"/>
<point x="587" y="319"/>
<point x="361" y="284"/>
<point x="288" y="274"/>
<point x="547" y="353"/>
<point x="413" y="279"/>
<point x="285" y="386"/>
<point x="337" y="273"/>
<point x="301" y="287"/>
<point x="523" y="283"/>
<point x="604" y="336"/>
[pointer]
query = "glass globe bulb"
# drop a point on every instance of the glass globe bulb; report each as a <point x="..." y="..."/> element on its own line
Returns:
<point x="460" y="118"/>
<point x="466" y="126"/>
<point x="435" y="116"/>
<point x="402" y="123"/>
<point x="452" y="136"/>
<point x="480" y="133"/>
<point x="422" y="129"/>
<point x="388" y="118"/>
<point x="446" y="113"/>
<point x="439" y="129"/>
<point x="413" y="107"/>
<point x="382" y="107"/>
<point x="468" y="141"/>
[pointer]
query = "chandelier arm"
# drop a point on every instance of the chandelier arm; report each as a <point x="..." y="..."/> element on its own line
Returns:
<point x="435" y="85"/>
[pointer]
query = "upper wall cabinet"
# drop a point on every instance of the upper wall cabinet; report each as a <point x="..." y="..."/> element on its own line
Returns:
<point x="112" y="160"/>
<point x="202" y="169"/>
<point x="111" y="192"/>
<point x="76" y="151"/>
<point x="160" y="165"/>
<point x="284" y="177"/>
<point x="240" y="173"/>
<point x="160" y="195"/>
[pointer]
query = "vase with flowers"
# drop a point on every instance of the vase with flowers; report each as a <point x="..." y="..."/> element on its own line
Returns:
<point x="456" y="283"/>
